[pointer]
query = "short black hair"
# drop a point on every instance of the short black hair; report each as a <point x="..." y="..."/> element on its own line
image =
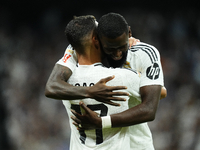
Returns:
<point x="78" y="28"/>
<point x="112" y="25"/>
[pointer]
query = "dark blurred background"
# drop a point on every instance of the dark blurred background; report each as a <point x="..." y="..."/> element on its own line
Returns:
<point x="32" y="40"/>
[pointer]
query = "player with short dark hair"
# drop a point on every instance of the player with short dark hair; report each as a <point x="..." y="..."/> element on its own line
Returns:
<point x="76" y="34"/>
<point x="117" y="29"/>
<point x="58" y="88"/>
<point x="145" y="59"/>
<point x="142" y="57"/>
<point x="88" y="71"/>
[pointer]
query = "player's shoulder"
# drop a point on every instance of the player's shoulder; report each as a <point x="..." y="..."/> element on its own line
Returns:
<point x="69" y="49"/>
<point x="140" y="46"/>
<point x="145" y="50"/>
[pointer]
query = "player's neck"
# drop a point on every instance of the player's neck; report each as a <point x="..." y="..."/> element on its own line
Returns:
<point x="91" y="56"/>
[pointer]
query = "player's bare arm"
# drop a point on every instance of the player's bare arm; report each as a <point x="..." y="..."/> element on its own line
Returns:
<point x="141" y="113"/>
<point x="58" y="88"/>
<point x="144" y="112"/>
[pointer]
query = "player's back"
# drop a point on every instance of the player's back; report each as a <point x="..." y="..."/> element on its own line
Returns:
<point x="112" y="138"/>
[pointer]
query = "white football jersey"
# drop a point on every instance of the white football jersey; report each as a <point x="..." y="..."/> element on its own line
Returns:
<point x="142" y="57"/>
<point x="145" y="59"/>
<point x="101" y="139"/>
<point x="69" y="58"/>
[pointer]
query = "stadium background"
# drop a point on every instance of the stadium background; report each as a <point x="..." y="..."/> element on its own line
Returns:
<point x="32" y="40"/>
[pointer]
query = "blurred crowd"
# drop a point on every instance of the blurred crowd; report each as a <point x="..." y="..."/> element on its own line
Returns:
<point x="30" y="121"/>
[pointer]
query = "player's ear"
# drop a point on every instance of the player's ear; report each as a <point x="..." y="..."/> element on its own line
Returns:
<point x="95" y="41"/>
<point x="95" y="38"/>
<point x="94" y="35"/>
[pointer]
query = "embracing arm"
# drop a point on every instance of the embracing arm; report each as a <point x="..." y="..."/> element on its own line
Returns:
<point x="58" y="88"/>
<point x="141" y="113"/>
<point x="144" y="112"/>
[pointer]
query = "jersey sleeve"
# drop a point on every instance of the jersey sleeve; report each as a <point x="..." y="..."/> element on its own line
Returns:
<point x="69" y="58"/>
<point x="150" y="66"/>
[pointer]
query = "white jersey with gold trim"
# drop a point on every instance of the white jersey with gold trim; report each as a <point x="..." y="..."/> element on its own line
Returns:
<point x="142" y="57"/>
<point x="111" y="138"/>
<point x="145" y="59"/>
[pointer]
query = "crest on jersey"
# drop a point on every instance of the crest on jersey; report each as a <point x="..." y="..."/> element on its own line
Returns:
<point x="153" y="71"/>
<point x="69" y="51"/>
<point x="127" y="65"/>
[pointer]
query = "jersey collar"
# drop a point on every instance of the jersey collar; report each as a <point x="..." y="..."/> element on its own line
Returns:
<point x="95" y="64"/>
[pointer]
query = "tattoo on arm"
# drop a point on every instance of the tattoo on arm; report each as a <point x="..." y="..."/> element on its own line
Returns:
<point x="65" y="73"/>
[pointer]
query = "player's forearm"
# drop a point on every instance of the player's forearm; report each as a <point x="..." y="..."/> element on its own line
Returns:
<point x="136" y="115"/>
<point x="141" y="113"/>
<point x="63" y="91"/>
<point x="58" y="88"/>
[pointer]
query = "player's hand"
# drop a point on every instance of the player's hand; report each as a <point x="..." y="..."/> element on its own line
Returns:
<point x="132" y="41"/>
<point x="103" y="93"/>
<point x="88" y="121"/>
